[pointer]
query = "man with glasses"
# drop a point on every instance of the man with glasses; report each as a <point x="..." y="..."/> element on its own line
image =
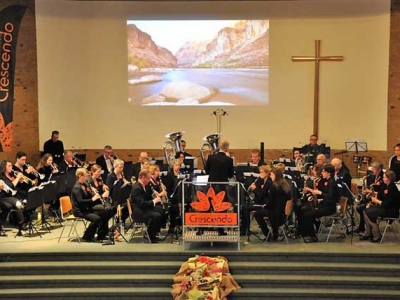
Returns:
<point x="106" y="161"/>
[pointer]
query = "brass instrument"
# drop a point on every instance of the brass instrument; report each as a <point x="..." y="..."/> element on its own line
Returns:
<point x="172" y="146"/>
<point x="35" y="172"/>
<point x="53" y="167"/>
<point x="82" y="164"/>
<point x="26" y="179"/>
<point x="7" y="189"/>
<point x="210" y="145"/>
<point x="360" y="197"/>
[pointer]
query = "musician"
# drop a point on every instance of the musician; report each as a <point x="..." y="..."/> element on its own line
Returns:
<point x="96" y="182"/>
<point x="321" y="159"/>
<point x="307" y="200"/>
<point x="55" y="147"/>
<point x="374" y="179"/>
<point x="311" y="149"/>
<point x="137" y="167"/>
<point x="28" y="172"/>
<point x="144" y="165"/>
<point x="260" y="189"/>
<point x="7" y="184"/>
<point x="274" y="208"/>
<point x="180" y="156"/>
<point x="68" y="162"/>
<point x="219" y="166"/>
<point x="47" y="167"/>
<point x="158" y="189"/>
<point x="298" y="160"/>
<point x="385" y="204"/>
<point x="146" y="207"/>
<point x="327" y="195"/>
<point x="342" y="173"/>
<point x="87" y="204"/>
<point x="183" y="148"/>
<point x="394" y="163"/>
<point x="256" y="158"/>
<point x="105" y="161"/>
<point x="171" y="182"/>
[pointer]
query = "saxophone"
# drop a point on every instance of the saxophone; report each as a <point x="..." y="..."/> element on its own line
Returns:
<point x="369" y="198"/>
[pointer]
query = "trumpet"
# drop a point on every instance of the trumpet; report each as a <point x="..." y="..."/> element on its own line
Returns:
<point x="25" y="178"/>
<point x="53" y="167"/>
<point x="7" y="189"/>
<point x="80" y="163"/>
<point x="36" y="173"/>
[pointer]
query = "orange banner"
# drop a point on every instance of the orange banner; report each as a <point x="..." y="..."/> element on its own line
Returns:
<point x="211" y="219"/>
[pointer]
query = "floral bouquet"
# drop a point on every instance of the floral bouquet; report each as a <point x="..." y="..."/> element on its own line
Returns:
<point x="203" y="278"/>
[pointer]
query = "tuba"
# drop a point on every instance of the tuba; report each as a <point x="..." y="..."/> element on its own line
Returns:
<point x="172" y="146"/>
<point x="210" y="146"/>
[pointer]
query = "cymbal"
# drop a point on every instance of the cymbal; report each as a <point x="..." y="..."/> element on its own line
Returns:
<point x="341" y="152"/>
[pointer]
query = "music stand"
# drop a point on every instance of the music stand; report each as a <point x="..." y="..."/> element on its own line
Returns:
<point x="34" y="200"/>
<point x="120" y="193"/>
<point x="49" y="195"/>
<point x="357" y="147"/>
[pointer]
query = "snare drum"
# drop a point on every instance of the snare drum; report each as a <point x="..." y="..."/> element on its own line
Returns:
<point x="366" y="160"/>
<point x="356" y="159"/>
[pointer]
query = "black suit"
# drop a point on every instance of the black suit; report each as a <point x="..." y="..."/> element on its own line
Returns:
<point x="136" y="169"/>
<point x="101" y="161"/>
<point x="144" y="209"/>
<point x="219" y="167"/>
<point x="56" y="149"/>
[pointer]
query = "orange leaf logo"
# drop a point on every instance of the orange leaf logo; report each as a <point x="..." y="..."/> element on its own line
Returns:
<point x="6" y="134"/>
<point x="216" y="200"/>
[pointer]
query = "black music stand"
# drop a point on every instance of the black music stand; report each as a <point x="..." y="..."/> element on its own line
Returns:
<point x="49" y="195"/>
<point x="34" y="200"/>
<point x="357" y="147"/>
<point x="120" y="193"/>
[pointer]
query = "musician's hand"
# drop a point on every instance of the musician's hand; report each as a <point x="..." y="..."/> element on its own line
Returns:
<point x="366" y="191"/>
<point x="252" y="187"/>
<point x="105" y="194"/>
<point x="19" y="177"/>
<point x="156" y="200"/>
<point x="30" y="169"/>
<point x="375" y="200"/>
<point x="316" y="192"/>
<point x="1" y="185"/>
<point x="96" y="197"/>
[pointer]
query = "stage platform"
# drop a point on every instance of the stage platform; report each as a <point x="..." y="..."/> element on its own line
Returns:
<point x="49" y="243"/>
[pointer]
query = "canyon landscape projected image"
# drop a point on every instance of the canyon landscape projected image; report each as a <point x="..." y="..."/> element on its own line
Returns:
<point x="216" y="63"/>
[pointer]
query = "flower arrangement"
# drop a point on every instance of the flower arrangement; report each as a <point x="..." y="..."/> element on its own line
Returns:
<point x="204" y="278"/>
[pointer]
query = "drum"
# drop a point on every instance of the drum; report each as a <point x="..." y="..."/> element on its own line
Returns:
<point x="366" y="160"/>
<point x="356" y="159"/>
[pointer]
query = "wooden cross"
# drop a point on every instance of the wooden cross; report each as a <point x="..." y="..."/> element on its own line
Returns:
<point x="317" y="58"/>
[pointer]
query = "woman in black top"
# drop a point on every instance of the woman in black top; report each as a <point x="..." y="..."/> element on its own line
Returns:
<point x="385" y="204"/>
<point x="274" y="208"/>
<point x="47" y="167"/>
<point x="327" y="195"/>
<point x="8" y="181"/>
<point x="87" y="204"/>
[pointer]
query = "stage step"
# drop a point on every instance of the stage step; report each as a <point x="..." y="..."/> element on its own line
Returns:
<point x="117" y="275"/>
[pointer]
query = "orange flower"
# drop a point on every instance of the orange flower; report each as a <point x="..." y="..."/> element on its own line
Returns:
<point x="326" y="183"/>
<point x="216" y="200"/>
<point x="386" y="191"/>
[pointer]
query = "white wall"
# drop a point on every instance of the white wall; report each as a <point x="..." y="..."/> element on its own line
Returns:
<point x="83" y="81"/>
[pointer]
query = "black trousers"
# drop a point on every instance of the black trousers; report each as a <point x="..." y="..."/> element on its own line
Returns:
<point x="8" y="204"/>
<point x="360" y="209"/>
<point x="306" y="222"/>
<point x="259" y="216"/>
<point x="98" y="218"/>
<point x="154" y="219"/>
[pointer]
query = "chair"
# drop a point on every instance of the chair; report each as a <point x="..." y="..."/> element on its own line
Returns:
<point x="284" y="228"/>
<point x="390" y="223"/>
<point x="137" y="225"/>
<point x="335" y="220"/>
<point x="71" y="220"/>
